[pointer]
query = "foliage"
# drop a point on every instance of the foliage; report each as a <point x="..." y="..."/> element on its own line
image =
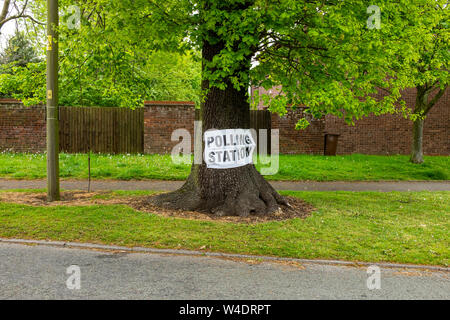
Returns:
<point x="98" y="70"/>
<point x="19" y="51"/>
<point x="322" y="53"/>
<point x="162" y="76"/>
<point x="26" y="83"/>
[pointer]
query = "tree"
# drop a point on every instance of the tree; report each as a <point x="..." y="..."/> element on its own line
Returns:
<point x="322" y="53"/>
<point x="15" y="10"/>
<point x="429" y="72"/>
<point x="19" y="51"/>
<point x="418" y="57"/>
<point x="408" y="49"/>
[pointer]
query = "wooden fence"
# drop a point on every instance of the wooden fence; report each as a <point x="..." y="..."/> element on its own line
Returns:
<point x="118" y="130"/>
<point x="101" y="130"/>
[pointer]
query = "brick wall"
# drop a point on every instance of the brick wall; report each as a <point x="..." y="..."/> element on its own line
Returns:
<point x="161" y="118"/>
<point x="308" y="141"/>
<point x="22" y="129"/>
<point x="392" y="134"/>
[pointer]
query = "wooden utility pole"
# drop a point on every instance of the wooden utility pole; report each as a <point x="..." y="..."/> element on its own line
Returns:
<point x="53" y="193"/>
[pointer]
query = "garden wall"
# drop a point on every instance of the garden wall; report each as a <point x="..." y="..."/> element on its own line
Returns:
<point x="383" y="135"/>
<point x="161" y="118"/>
<point x="392" y="134"/>
<point x="22" y="129"/>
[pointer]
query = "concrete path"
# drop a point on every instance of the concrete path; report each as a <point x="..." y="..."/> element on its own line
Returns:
<point x="40" y="272"/>
<point x="279" y="185"/>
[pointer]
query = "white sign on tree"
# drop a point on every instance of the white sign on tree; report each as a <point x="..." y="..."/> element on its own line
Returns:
<point x="228" y="148"/>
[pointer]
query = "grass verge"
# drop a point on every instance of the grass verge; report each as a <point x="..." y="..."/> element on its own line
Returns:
<point x="291" y="167"/>
<point x="408" y="227"/>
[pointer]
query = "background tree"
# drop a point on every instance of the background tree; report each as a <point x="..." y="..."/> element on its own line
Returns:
<point x="98" y="71"/>
<point x="18" y="9"/>
<point x="22" y="72"/>
<point x="428" y="70"/>
<point x="408" y="49"/>
<point x="19" y="51"/>
<point x="24" y="83"/>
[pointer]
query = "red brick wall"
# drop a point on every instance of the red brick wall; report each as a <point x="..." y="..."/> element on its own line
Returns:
<point x="161" y="119"/>
<point x="392" y="134"/>
<point x="22" y="129"/>
<point x="292" y="141"/>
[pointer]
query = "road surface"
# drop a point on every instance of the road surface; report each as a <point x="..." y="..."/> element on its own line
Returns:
<point x="40" y="272"/>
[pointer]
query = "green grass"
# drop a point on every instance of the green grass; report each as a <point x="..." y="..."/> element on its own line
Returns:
<point x="409" y="227"/>
<point x="292" y="167"/>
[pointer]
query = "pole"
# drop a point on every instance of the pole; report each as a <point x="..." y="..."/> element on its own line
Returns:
<point x="89" y="169"/>
<point x="53" y="192"/>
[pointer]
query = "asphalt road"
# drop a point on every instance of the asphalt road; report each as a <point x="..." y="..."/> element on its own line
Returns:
<point x="159" y="185"/>
<point x="40" y="272"/>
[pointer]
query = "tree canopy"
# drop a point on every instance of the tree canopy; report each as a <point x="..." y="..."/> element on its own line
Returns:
<point x="322" y="53"/>
<point x="19" y="51"/>
<point x="95" y="71"/>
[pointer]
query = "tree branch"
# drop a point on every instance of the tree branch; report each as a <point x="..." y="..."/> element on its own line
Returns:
<point x="4" y="19"/>
<point x="4" y="12"/>
<point x="435" y="99"/>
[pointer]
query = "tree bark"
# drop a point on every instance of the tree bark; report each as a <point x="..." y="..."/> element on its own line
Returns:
<point x="417" y="145"/>
<point x="421" y="108"/>
<point x="238" y="191"/>
<point x="4" y="13"/>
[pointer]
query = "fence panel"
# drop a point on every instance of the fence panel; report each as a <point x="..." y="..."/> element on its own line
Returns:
<point x="103" y="130"/>
<point x="119" y="130"/>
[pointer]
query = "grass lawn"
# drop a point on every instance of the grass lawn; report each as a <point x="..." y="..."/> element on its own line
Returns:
<point x="292" y="167"/>
<point x="404" y="227"/>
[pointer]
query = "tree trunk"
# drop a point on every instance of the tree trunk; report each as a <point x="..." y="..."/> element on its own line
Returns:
<point x="237" y="191"/>
<point x="421" y="108"/>
<point x="417" y="150"/>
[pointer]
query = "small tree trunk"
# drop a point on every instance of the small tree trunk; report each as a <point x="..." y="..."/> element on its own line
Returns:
<point x="237" y="191"/>
<point x="417" y="144"/>
<point x="417" y="139"/>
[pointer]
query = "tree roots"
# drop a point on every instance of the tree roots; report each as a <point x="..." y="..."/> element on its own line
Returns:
<point x="231" y="192"/>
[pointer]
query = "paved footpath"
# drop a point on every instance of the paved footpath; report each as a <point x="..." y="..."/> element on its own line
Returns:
<point x="159" y="185"/>
<point x="40" y="272"/>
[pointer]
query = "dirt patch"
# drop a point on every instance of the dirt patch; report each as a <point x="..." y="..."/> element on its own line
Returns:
<point x="69" y="198"/>
<point x="297" y="208"/>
